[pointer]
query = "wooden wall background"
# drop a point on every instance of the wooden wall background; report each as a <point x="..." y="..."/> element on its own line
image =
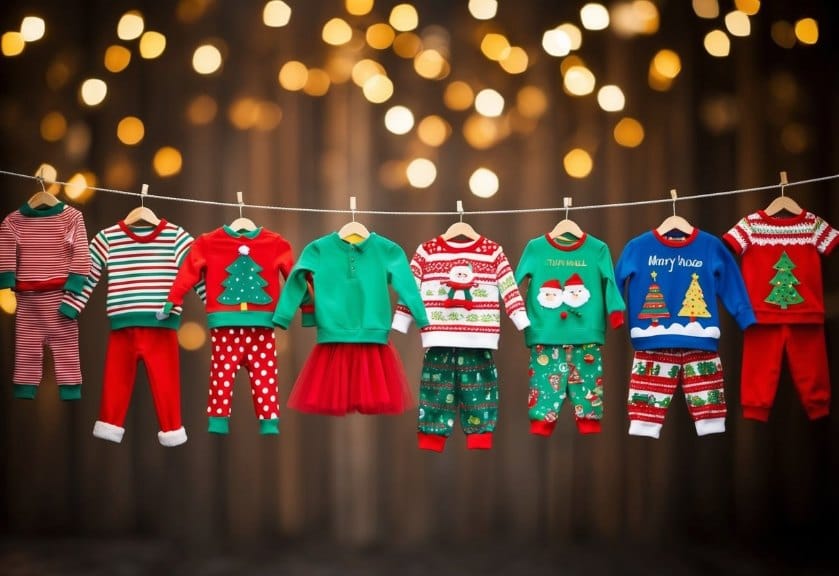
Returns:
<point x="361" y="480"/>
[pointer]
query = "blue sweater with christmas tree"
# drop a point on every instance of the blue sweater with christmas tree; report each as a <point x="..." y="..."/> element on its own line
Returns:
<point x="672" y="286"/>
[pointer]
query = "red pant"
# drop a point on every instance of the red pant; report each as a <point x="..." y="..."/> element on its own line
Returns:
<point x="158" y="349"/>
<point x="763" y="348"/>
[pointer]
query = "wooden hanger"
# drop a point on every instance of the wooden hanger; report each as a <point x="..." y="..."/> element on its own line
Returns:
<point x="783" y="202"/>
<point x="241" y="223"/>
<point x="42" y="198"/>
<point x="460" y="228"/>
<point x="141" y="213"/>
<point x="353" y="232"/>
<point x="566" y="226"/>
<point x="674" y="222"/>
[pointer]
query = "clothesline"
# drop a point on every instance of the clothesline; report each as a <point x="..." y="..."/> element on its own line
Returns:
<point x="441" y="213"/>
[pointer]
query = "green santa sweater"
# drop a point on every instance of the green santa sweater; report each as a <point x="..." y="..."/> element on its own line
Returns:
<point x="571" y="290"/>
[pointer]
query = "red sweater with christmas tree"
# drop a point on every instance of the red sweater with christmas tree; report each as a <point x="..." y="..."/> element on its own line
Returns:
<point x="781" y="265"/>
<point x="241" y="271"/>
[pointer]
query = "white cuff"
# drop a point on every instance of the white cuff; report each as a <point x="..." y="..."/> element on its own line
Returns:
<point x="710" y="426"/>
<point x="173" y="437"/>
<point x="401" y="322"/>
<point x="643" y="428"/>
<point x="520" y="319"/>
<point x="107" y="431"/>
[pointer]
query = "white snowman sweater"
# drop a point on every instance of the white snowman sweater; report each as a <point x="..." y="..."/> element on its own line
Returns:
<point x="462" y="285"/>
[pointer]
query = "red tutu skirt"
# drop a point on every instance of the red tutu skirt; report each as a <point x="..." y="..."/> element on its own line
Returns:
<point x="340" y="378"/>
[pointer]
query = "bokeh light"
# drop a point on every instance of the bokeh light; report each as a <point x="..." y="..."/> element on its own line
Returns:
<point x="421" y="172"/>
<point x="49" y="175"/>
<point x="191" y="336"/>
<point x="93" y="91"/>
<point x="53" y="126"/>
<point x="749" y="7"/>
<point x="380" y="36"/>
<point x="399" y="120"/>
<point x="317" y="82"/>
<point x="78" y="186"/>
<point x="737" y="23"/>
<point x="807" y="31"/>
<point x="358" y="7"/>
<point x="578" y="81"/>
<point x="152" y="45"/>
<point x="12" y="44"/>
<point x="629" y="132"/>
<point x="516" y="61"/>
<point x="117" y="58"/>
<point x="480" y="132"/>
<point x="202" y="110"/>
<point x="404" y="17"/>
<point x="430" y="64"/>
<point x="483" y="9"/>
<point x="577" y="163"/>
<point x="495" y="46"/>
<point x="276" y="14"/>
<point x="336" y="32"/>
<point x="483" y="183"/>
<point x="717" y="43"/>
<point x="458" y="96"/>
<point x="364" y="70"/>
<point x="378" y="89"/>
<point x="667" y="63"/>
<point x="783" y="34"/>
<point x="531" y="101"/>
<point x="8" y="301"/>
<point x="167" y="161"/>
<point x="130" y="130"/>
<point x="433" y="131"/>
<point x="32" y="28"/>
<point x="407" y="45"/>
<point x="594" y="16"/>
<point x="130" y="25"/>
<point x="489" y="102"/>
<point x="556" y="42"/>
<point x="206" y="59"/>
<point x="611" y="98"/>
<point x="708" y="9"/>
<point x="293" y="75"/>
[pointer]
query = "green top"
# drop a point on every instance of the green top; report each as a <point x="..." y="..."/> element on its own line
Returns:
<point x="571" y="291"/>
<point x="351" y="295"/>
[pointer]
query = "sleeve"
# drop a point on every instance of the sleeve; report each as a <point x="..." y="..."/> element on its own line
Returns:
<point x="402" y="317"/>
<point x="297" y="285"/>
<point x="739" y="238"/>
<point x="190" y="272"/>
<point x="403" y="281"/>
<point x="183" y="243"/>
<point x="825" y="237"/>
<point x="307" y="307"/>
<point x="80" y="257"/>
<point x="509" y="291"/>
<point x="615" y="305"/>
<point x="72" y="304"/>
<point x="731" y="289"/>
<point x="8" y="255"/>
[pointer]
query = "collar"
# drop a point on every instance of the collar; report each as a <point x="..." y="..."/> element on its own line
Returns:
<point x="677" y="243"/>
<point x="797" y="219"/>
<point x="145" y="237"/>
<point x="566" y="247"/>
<point x="468" y="246"/>
<point x="41" y="211"/>
<point x="249" y="234"/>
<point x="347" y="246"/>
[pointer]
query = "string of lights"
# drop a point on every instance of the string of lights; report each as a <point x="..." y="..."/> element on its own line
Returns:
<point x="139" y="195"/>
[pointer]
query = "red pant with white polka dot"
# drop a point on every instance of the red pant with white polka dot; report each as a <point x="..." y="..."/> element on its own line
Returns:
<point x="254" y="349"/>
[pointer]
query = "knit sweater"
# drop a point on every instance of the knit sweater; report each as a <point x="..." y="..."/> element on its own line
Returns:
<point x="672" y="287"/>
<point x="462" y="285"/>
<point x="781" y="265"/>
<point x="571" y="291"/>
<point x="241" y="271"/>
<point x="351" y="288"/>
<point x="44" y="248"/>
<point x="141" y="263"/>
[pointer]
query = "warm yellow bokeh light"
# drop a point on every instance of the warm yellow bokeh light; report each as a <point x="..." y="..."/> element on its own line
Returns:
<point x="567" y="63"/>
<point x="708" y="9"/>
<point x="737" y="23"/>
<point x="783" y="34"/>
<point x="117" y="58"/>
<point x="32" y="28"/>
<point x="611" y="98"/>
<point x="130" y="130"/>
<point x="421" y="172"/>
<point x="12" y="43"/>
<point x="629" y="132"/>
<point x="93" y="91"/>
<point x="130" y="25"/>
<point x="431" y="64"/>
<point x="378" y="89"/>
<point x="717" y="43"/>
<point x="276" y="14"/>
<point x="407" y="45"/>
<point x="202" y="110"/>
<point x="120" y="173"/>
<point x="191" y="336"/>
<point x="152" y="45"/>
<point x="480" y="132"/>
<point x="458" y="96"/>
<point x="206" y="59"/>
<point x="336" y="32"/>
<point x="433" y="130"/>
<point x="638" y="17"/>
<point x="556" y="42"/>
<point x="516" y="61"/>
<point x="358" y="7"/>
<point x="483" y="9"/>
<point x="594" y="16"/>
<point x="532" y="102"/>
<point x="364" y="70"/>
<point x="268" y="115"/>
<point x="317" y="82"/>
<point x="573" y="33"/>
<point x="53" y="126"/>
<point x="489" y="102"/>
<point x="8" y="301"/>
<point x="404" y="17"/>
<point x="380" y="36"/>
<point x="795" y="138"/>
<point x="483" y="183"/>
<point x="667" y="63"/>
<point x="495" y="46"/>
<point x="807" y="31"/>
<point x="578" y="81"/>
<point x="399" y="120"/>
<point x="78" y="186"/>
<point x="167" y="161"/>
<point x="339" y="67"/>
<point x="749" y="7"/>
<point x="293" y="75"/>
<point x="243" y="113"/>
<point x="577" y="163"/>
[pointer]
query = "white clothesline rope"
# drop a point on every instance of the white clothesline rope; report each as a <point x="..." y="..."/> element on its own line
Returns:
<point x="778" y="186"/>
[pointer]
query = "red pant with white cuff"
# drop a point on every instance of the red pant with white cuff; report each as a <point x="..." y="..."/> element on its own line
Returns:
<point x="158" y="349"/>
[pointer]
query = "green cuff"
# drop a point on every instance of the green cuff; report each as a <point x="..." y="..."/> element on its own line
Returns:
<point x="70" y="391"/>
<point x="218" y="425"/>
<point x="75" y="283"/>
<point x="25" y="391"/>
<point x="308" y="319"/>
<point x="7" y="279"/>
<point x="271" y="426"/>
<point x="167" y="308"/>
<point x="68" y="311"/>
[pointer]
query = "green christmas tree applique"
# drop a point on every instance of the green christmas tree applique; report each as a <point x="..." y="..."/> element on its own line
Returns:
<point x="654" y="306"/>
<point x="783" y="284"/>
<point x="694" y="305"/>
<point x="244" y="284"/>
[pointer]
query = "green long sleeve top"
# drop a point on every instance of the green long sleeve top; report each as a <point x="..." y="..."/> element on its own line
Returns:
<point x="351" y="288"/>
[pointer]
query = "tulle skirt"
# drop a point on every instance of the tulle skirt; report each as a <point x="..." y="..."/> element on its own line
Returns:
<point x="340" y="378"/>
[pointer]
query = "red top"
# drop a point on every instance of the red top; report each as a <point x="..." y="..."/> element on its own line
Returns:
<point x="781" y="265"/>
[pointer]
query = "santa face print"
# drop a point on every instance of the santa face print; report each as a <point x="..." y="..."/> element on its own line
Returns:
<point x="461" y="276"/>
<point x="550" y="296"/>
<point x="576" y="295"/>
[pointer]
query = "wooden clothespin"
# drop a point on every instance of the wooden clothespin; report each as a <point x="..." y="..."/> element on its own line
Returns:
<point x="460" y="228"/>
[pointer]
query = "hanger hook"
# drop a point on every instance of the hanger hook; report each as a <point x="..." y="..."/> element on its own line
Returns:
<point x="674" y="195"/>
<point x="41" y="181"/>
<point x="460" y="209"/>
<point x="352" y="207"/>
<point x="784" y="181"/>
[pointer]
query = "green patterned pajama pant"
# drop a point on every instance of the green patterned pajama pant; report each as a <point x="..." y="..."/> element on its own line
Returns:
<point x="560" y="371"/>
<point x="452" y="379"/>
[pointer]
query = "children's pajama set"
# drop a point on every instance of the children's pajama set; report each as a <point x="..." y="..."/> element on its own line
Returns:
<point x="570" y="295"/>
<point x="462" y="285"/>
<point x="780" y="261"/>
<point x="672" y="286"/>
<point x="241" y="271"/>
<point x="141" y="263"/>
<point x="43" y="255"/>
<point x="353" y="367"/>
